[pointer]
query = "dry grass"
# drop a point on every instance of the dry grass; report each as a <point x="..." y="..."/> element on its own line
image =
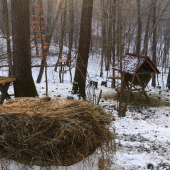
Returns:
<point x="154" y="100"/>
<point x="104" y="163"/>
<point x="54" y="132"/>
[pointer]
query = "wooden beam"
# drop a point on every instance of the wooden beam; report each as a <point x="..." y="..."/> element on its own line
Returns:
<point x="4" y="92"/>
<point x="146" y="73"/>
<point x="152" y="67"/>
<point x="146" y="66"/>
<point x="63" y="71"/>
<point x="62" y="64"/>
<point x="7" y="80"/>
<point x="114" y="77"/>
<point x="62" y="60"/>
<point x="142" y="92"/>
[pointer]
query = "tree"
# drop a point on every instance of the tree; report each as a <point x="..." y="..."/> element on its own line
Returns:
<point x="71" y="24"/>
<point x="7" y="32"/>
<point x="24" y="85"/>
<point x="83" y="50"/>
<point x="154" y="41"/>
<point x="34" y="21"/>
<point x="147" y="30"/>
<point x="48" y="39"/>
<point x="139" y="30"/>
<point x="61" y="41"/>
<point x="114" y="39"/>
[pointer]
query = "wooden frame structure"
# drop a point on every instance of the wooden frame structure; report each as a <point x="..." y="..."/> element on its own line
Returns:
<point x="145" y="71"/>
<point x="62" y="63"/>
<point x="4" y="86"/>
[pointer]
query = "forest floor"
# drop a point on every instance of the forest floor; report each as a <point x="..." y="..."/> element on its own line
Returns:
<point x="143" y="135"/>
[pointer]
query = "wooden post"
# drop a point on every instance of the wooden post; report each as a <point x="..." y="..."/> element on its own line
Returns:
<point x="4" y="89"/>
<point x="4" y="85"/>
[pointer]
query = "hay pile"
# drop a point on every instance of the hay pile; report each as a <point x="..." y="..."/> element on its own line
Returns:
<point x="56" y="132"/>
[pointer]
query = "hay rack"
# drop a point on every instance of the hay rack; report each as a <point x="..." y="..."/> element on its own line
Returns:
<point x="145" y="71"/>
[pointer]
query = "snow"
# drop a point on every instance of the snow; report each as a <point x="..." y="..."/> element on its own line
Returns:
<point x="90" y="163"/>
<point x="129" y="64"/>
<point x="143" y="135"/>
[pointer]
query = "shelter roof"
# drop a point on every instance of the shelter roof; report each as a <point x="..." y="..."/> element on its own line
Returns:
<point x="130" y="62"/>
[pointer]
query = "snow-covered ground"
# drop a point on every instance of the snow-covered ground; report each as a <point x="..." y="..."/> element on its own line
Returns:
<point x="144" y="134"/>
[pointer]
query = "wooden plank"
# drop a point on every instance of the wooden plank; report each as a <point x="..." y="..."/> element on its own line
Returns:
<point x="114" y="77"/>
<point x="142" y="92"/>
<point x="62" y="60"/>
<point x="62" y="64"/>
<point x="152" y="67"/>
<point x="146" y="73"/>
<point x="127" y="90"/>
<point x="7" y="80"/>
<point x="63" y="71"/>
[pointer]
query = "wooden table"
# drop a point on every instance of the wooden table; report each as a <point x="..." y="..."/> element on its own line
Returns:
<point x="4" y="86"/>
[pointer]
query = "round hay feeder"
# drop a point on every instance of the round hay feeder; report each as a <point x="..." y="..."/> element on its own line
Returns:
<point x="54" y="132"/>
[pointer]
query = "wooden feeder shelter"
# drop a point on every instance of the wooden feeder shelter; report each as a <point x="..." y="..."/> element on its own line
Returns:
<point x="4" y="85"/>
<point x="62" y="63"/>
<point x="145" y="71"/>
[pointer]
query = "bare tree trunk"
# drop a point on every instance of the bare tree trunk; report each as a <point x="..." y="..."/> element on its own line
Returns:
<point x="121" y="92"/>
<point x="7" y="31"/>
<point x="168" y="80"/>
<point x="114" y="39"/>
<point x="83" y="52"/>
<point x="63" y="23"/>
<point x="117" y="37"/>
<point x="34" y="32"/>
<point x="103" y="36"/>
<point x="147" y="30"/>
<point x="48" y="41"/>
<point x="24" y="85"/>
<point x="49" y="19"/>
<point x="71" y="23"/>
<point x="109" y="36"/>
<point x="139" y="30"/>
<point x="154" y="2"/>
<point x="42" y="32"/>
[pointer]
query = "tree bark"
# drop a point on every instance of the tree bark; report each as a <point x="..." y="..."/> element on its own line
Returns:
<point x="168" y="80"/>
<point x="71" y="23"/>
<point x="34" y="32"/>
<point x="114" y="39"/>
<point x="24" y="85"/>
<point x="83" y="51"/>
<point x="7" y="31"/>
<point x="139" y="30"/>
<point x="154" y="41"/>
<point x="147" y="30"/>
<point x="63" y="23"/>
<point x="48" y="40"/>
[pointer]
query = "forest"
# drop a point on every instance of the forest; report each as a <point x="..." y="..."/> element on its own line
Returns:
<point x="96" y="51"/>
<point x="118" y="27"/>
